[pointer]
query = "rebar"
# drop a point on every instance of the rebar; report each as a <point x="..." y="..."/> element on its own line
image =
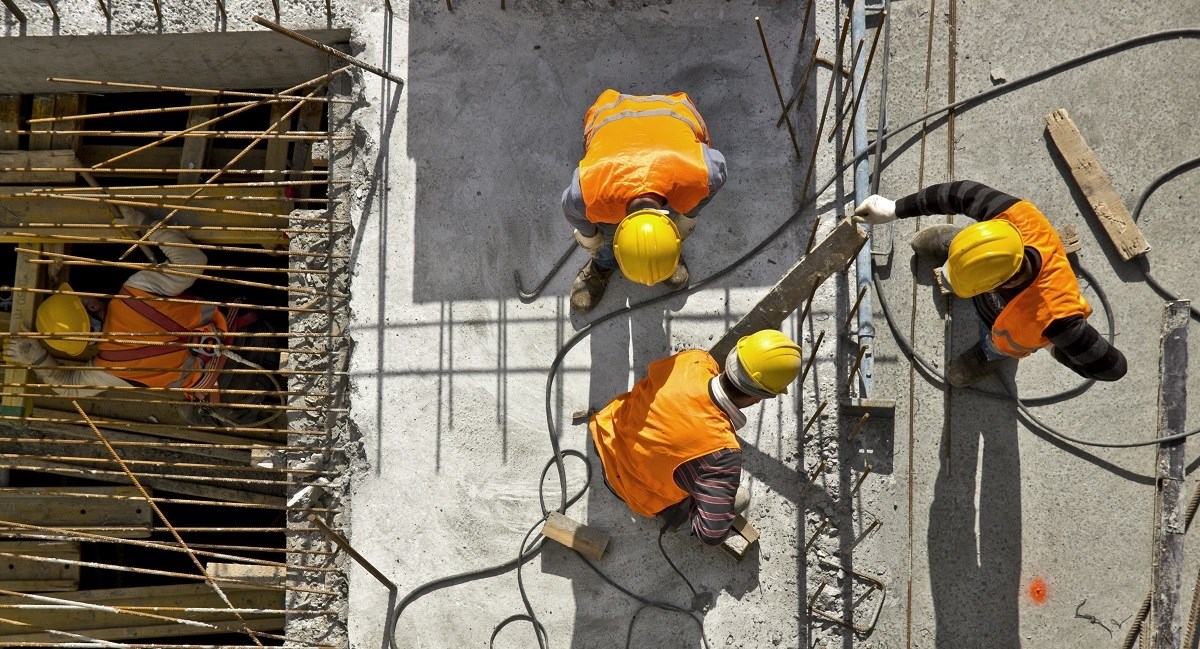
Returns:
<point x="259" y="183"/>
<point x="158" y="298"/>
<point x="200" y="91"/>
<point x="862" y="476"/>
<point x="862" y="86"/>
<point x="862" y="421"/>
<point x="175" y="402"/>
<point x="816" y="535"/>
<point x="854" y="309"/>
<point x="248" y="468"/>
<point x="164" y="170"/>
<point x="813" y="479"/>
<point x="110" y="199"/>
<point x="203" y="267"/>
<point x="231" y="135"/>
<point x="812" y="62"/>
<point x="68" y="238"/>
<point x="337" y="54"/>
<point x="149" y="425"/>
<point x="15" y="10"/>
<point x="813" y="418"/>
<point x="854" y="368"/>
<point x="812" y="356"/>
<point x="91" y="473"/>
<point x="778" y="91"/>
<point x="178" y="539"/>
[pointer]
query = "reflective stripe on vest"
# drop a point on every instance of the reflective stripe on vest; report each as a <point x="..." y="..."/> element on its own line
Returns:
<point x="1053" y="295"/>
<point x="667" y="419"/>
<point x="642" y="144"/>
<point x="166" y="362"/>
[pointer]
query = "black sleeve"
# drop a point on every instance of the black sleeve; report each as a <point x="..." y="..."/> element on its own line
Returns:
<point x="1080" y="347"/>
<point x="976" y="200"/>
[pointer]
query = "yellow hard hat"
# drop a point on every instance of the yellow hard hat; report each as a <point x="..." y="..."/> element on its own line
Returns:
<point x="984" y="256"/>
<point x="770" y="359"/>
<point x="647" y="246"/>
<point x="64" y="314"/>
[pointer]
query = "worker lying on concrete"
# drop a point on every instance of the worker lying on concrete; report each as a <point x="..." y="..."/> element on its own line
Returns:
<point x="1013" y="265"/>
<point x="668" y="446"/>
<point x="646" y="172"/>
<point x="159" y="361"/>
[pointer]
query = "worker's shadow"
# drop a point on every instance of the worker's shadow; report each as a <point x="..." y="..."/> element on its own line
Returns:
<point x="974" y="549"/>
<point x="621" y="348"/>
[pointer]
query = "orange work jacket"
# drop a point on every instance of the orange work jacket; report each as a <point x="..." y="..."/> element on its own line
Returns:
<point x="667" y="419"/>
<point x="1053" y="295"/>
<point x="642" y="144"/>
<point x="160" y="365"/>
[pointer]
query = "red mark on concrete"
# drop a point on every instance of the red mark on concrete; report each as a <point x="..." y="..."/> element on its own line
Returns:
<point x="1038" y="590"/>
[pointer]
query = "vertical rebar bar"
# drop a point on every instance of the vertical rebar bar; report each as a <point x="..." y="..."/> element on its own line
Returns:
<point x="812" y="356"/>
<point x="775" y="79"/>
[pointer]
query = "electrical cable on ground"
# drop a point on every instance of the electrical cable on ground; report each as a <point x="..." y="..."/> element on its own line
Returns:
<point x="528" y="552"/>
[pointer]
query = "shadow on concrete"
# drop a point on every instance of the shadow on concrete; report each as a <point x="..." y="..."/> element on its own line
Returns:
<point x="974" y="535"/>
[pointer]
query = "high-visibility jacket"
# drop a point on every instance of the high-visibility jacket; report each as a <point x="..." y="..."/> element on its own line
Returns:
<point x="1053" y="295"/>
<point x="161" y="365"/>
<point x="667" y="419"/>
<point x="642" y="144"/>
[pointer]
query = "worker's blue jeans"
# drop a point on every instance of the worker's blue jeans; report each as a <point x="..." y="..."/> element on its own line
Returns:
<point x="604" y="255"/>
<point x="990" y="352"/>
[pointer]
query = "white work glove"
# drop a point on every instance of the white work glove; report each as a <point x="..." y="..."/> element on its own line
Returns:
<point x="876" y="210"/>
<point x="130" y="218"/>
<point x="592" y="243"/>
<point x="685" y="224"/>
<point x="24" y="351"/>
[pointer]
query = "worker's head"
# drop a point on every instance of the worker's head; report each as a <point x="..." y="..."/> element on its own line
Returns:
<point x="647" y="246"/>
<point x="763" y="364"/>
<point x="983" y="257"/>
<point x="69" y="315"/>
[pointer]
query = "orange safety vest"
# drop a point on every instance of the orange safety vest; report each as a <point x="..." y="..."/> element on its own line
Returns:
<point x="1053" y="295"/>
<point x="642" y="144"/>
<point x="667" y="419"/>
<point x="165" y="365"/>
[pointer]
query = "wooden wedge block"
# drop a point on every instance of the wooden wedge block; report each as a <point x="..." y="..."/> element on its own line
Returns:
<point x="585" y="540"/>
<point x="245" y="573"/>
<point x="741" y="539"/>
<point x="1094" y="183"/>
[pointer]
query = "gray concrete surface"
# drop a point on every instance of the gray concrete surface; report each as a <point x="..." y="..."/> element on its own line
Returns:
<point x="456" y="185"/>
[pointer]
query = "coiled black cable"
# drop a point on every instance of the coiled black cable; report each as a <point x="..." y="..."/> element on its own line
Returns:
<point x="528" y="553"/>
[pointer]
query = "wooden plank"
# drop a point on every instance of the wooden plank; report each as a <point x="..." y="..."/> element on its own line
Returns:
<point x="52" y="431"/>
<point x="182" y="434"/>
<point x="195" y="149"/>
<point x="29" y="576"/>
<point x="1089" y="176"/>
<point x="585" y="540"/>
<point x="247" y="573"/>
<point x="168" y="156"/>
<point x="10" y="120"/>
<point x="24" y="306"/>
<point x="110" y="625"/>
<point x="827" y="258"/>
<point x="198" y="489"/>
<point x="308" y="119"/>
<point x="741" y="539"/>
<point x="277" y="149"/>
<point x="34" y="160"/>
<point x="1169" y="524"/>
<point x="64" y="106"/>
<point x="43" y="106"/>
<point x="61" y="507"/>
<point x="19" y="212"/>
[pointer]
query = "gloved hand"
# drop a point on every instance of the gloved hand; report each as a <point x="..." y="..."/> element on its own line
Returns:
<point x="24" y="351"/>
<point x="685" y="224"/>
<point x="592" y="243"/>
<point x="876" y="210"/>
<point x="130" y="218"/>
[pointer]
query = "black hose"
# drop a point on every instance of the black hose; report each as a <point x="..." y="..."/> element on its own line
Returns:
<point x="585" y="331"/>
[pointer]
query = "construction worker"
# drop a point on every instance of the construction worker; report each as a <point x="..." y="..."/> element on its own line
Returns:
<point x="668" y="446"/>
<point x="191" y="340"/>
<point x="1012" y="264"/>
<point x="646" y="172"/>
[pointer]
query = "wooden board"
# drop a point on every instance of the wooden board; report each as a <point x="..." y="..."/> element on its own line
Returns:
<point x="195" y="150"/>
<point x="65" y="507"/>
<point x="19" y="213"/>
<point x="24" y="307"/>
<point x="31" y="576"/>
<point x="245" y="573"/>
<point x="789" y="294"/>
<point x="588" y="541"/>
<point x="39" y="138"/>
<point x="10" y="120"/>
<point x="1089" y="176"/>
<point x="66" y="105"/>
<point x="277" y="149"/>
<point x="167" y="156"/>
<point x="37" y="160"/>
<point x="309" y="119"/>
<point x="106" y="625"/>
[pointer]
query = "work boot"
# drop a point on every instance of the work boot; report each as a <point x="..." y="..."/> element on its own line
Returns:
<point x="679" y="278"/>
<point x="589" y="286"/>
<point x="934" y="242"/>
<point x="971" y="367"/>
